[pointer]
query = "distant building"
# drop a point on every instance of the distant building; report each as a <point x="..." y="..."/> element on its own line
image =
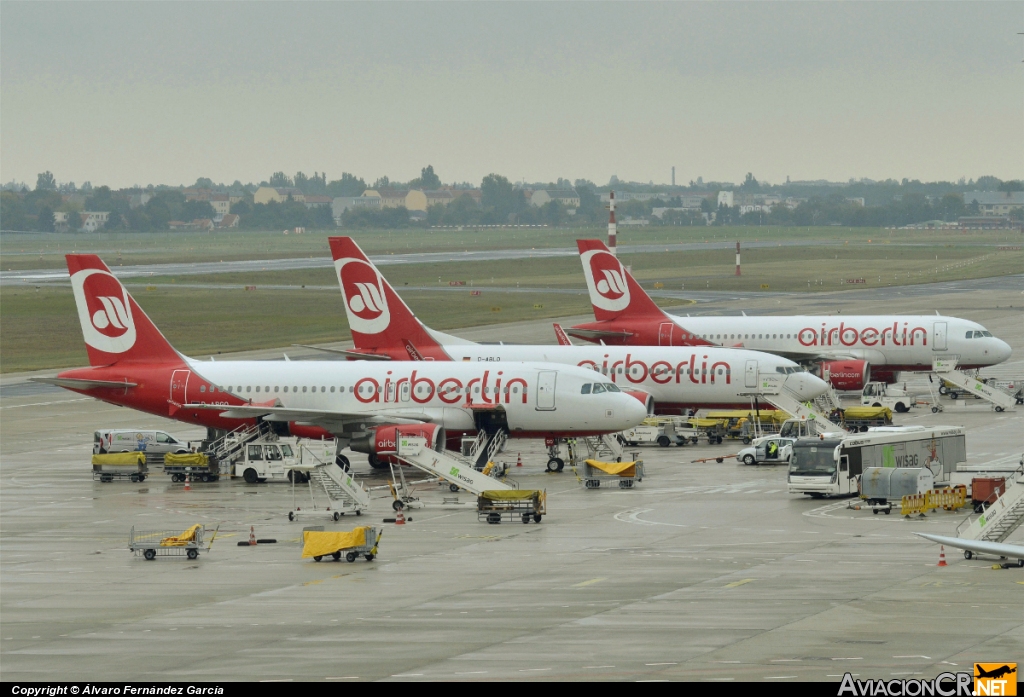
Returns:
<point x="660" y="212"/>
<point x="858" y="200"/>
<point x="230" y="220"/>
<point x="439" y="198"/>
<point x="343" y="203"/>
<point x="640" y="222"/>
<point x="984" y="222"/>
<point x="92" y="221"/>
<point x="726" y="198"/>
<point x="995" y="202"/>
<point x="221" y="205"/>
<point x="318" y="201"/>
<point x="567" y="197"/>
<point x="754" y="208"/>
<point x="621" y="196"/>
<point x="266" y="194"/>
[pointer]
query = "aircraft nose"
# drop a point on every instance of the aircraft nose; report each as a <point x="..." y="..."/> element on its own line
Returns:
<point x="806" y="385"/>
<point x="1002" y="351"/>
<point x="633" y="411"/>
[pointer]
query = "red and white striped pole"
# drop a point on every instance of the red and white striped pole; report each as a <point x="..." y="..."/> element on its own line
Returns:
<point x="611" y="222"/>
<point x="738" y="259"/>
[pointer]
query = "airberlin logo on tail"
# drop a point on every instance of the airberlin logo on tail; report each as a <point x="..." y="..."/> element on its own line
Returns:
<point x="104" y="311"/>
<point x="363" y="290"/>
<point x="606" y="280"/>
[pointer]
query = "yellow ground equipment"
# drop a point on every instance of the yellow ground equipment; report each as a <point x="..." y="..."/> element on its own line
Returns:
<point x="855" y="419"/>
<point x="111" y="466"/>
<point x="166" y="543"/>
<point x="360" y="541"/>
<point x="524" y="504"/>
<point x="625" y="473"/>
<point x="948" y="499"/>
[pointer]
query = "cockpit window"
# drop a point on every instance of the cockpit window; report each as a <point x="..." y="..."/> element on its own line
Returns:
<point x="974" y="334"/>
<point x="788" y="370"/>
<point x="586" y="389"/>
<point x="598" y="388"/>
<point x="988" y="334"/>
<point x="611" y="388"/>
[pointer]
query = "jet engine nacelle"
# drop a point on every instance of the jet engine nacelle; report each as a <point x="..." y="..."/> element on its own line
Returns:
<point x="644" y="398"/>
<point x="886" y="376"/>
<point x="845" y="375"/>
<point x="383" y="440"/>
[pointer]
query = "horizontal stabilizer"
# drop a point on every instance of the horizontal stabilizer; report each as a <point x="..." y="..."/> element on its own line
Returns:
<point x="80" y="384"/>
<point x="598" y="334"/>
<point x="359" y="355"/>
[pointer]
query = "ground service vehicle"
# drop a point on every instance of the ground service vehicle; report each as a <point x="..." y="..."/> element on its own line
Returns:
<point x="125" y="440"/>
<point x="767" y="450"/>
<point x="855" y="419"/>
<point x="831" y="464"/>
<point x="879" y="394"/>
<point x="849" y="351"/>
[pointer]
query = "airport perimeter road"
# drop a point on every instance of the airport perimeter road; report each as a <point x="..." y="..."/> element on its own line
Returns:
<point x="705" y="571"/>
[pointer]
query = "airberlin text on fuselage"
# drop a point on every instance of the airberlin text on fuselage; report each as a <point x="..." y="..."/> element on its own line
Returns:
<point x="448" y="390"/>
<point x="851" y="336"/>
<point x="662" y="372"/>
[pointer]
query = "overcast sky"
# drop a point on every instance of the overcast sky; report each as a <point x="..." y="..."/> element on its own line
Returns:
<point x="135" y="93"/>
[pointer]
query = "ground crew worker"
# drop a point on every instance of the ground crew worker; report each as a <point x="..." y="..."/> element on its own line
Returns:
<point x="773" y="449"/>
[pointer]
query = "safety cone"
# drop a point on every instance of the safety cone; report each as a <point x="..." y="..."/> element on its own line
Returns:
<point x="188" y="482"/>
<point x="519" y="460"/>
<point x="400" y="518"/>
<point x="252" y="536"/>
<point x="942" y="556"/>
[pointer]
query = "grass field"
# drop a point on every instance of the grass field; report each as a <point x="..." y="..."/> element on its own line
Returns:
<point x="41" y="251"/>
<point x="39" y="326"/>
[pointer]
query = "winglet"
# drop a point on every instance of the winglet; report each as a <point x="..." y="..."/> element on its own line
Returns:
<point x="563" y="340"/>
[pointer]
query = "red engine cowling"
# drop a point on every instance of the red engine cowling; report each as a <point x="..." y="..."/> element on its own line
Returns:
<point x="645" y="398"/>
<point x="383" y="440"/>
<point x="886" y="376"/>
<point x="845" y="375"/>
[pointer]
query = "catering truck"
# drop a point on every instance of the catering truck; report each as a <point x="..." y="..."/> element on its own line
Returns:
<point x="831" y="464"/>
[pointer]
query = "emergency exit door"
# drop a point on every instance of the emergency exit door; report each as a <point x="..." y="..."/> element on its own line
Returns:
<point x="750" y="374"/>
<point x="179" y="385"/>
<point x="665" y="334"/>
<point x="546" y="390"/>
<point x="939" y="336"/>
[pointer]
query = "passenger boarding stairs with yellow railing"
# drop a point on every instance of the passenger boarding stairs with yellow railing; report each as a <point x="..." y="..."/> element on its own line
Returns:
<point x="772" y="389"/>
<point x="486" y="447"/>
<point x="946" y="369"/>
<point x="999" y="518"/>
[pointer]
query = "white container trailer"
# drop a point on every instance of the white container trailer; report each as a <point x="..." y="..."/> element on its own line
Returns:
<point x="832" y="465"/>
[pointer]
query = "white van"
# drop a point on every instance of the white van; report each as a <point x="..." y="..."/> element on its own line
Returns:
<point x="127" y="440"/>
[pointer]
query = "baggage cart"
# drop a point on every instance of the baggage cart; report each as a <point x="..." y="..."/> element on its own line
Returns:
<point x="361" y="541"/>
<point x="712" y="429"/>
<point x="625" y="473"/>
<point x="199" y="466"/>
<point x="166" y="543"/>
<point x="860" y="419"/>
<point x="524" y="504"/>
<point x="111" y="466"/>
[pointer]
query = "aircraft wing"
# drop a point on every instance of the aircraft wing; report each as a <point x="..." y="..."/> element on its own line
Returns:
<point x="998" y="549"/>
<point x="319" y="417"/>
<point x="81" y="384"/>
<point x="359" y="355"/>
<point x="597" y="334"/>
<point x="810" y="354"/>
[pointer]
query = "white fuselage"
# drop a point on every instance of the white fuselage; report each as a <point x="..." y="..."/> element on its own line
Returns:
<point x="537" y="398"/>
<point x="901" y="342"/>
<point x="674" y="376"/>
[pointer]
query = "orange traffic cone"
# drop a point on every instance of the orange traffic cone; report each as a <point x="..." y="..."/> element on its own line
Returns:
<point x="400" y="518"/>
<point x="942" y="556"/>
<point x="252" y="536"/>
<point x="519" y="460"/>
<point x="188" y="482"/>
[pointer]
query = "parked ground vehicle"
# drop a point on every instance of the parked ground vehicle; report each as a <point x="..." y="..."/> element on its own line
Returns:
<point x="855" y="419"/>
<point x="831" y="464"/>
<point x="767" y="450"/>
<point x="663" y="431"/>
<point x="880" y="394"/>
<point x="273" y="459"/>
<point x="125" y="440"/>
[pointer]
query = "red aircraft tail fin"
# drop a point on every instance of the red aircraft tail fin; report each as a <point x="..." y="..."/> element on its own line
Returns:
<point x="114" y="326"/>
<point x="379" y="319"/>
<point x="613" y="291"/>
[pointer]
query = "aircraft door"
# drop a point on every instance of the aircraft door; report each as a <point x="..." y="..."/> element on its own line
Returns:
<point x="665" y="334"/>
<point x="179" y="385"/>
<point x="939" y="336"/>
<point x="750" y="374"/>
<point x="546" y="390"/>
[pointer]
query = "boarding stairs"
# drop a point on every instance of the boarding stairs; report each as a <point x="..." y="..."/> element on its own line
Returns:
<point x="342" y="490"/>
<point x="1001" y="517"/>
<point x="829" y="401"/>
<point x="771" y="388"/>
<point x="607" y="448"/>
<point x="414" y="451"/>
<point x="946" y="370"/>
<point x="487" y="447"/>
<point x="229" y="447"/>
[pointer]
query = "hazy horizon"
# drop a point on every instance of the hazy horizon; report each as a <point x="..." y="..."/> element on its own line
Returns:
<point x="138" y="93"/>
